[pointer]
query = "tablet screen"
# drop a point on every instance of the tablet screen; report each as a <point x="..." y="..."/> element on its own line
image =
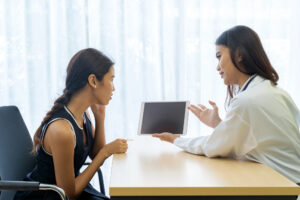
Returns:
<point x="158" y="117"/>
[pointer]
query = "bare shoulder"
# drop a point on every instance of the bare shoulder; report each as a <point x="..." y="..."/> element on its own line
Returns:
<point x="60" y="132"/>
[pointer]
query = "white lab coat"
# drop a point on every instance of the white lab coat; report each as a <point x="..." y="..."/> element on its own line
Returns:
<point x="262" y="124"/>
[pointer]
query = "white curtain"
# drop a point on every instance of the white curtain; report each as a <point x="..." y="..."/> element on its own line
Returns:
<point x="163" y="50"/>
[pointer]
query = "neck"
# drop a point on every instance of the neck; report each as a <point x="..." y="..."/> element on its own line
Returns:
<point x="242" y="80"/>
<point x="78" y="104"/>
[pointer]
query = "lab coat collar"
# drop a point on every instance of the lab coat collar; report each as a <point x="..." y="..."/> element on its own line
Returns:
<point x="257" y="79"/>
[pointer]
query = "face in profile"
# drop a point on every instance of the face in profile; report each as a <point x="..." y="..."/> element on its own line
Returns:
<point x="104" y="90"/>
<point x="225" y="67"/>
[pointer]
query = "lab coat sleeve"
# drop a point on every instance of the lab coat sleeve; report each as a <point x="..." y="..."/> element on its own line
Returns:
<point x="297" y="115"/>
<point x="233" y="137"/>
<point x="293" y="107"/>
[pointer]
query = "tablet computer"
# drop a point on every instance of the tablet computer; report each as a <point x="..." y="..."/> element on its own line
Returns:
<point x="163" y="116"/>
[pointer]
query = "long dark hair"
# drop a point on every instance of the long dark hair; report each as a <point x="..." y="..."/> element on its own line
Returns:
<point x="245" y="42"/>
<point x="83" y="63"/>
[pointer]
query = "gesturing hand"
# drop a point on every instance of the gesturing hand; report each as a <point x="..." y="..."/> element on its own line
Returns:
<point x="210" y="117"/>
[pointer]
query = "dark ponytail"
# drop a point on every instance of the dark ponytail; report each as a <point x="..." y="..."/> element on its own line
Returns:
<point x="85" y="62"/>
<point x="245" y="42"/>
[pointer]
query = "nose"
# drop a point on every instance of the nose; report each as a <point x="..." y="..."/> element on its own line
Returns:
<point x="218" y="68"/>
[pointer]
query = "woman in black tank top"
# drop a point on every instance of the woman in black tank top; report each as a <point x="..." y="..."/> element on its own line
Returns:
<point x="66" y="135"/>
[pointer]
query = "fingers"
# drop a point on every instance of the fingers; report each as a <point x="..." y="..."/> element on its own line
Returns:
<point x="194" y="111"/>
<point x="159" y="135"/>
<point x="156" y="135"/>
<point x="122" y="145"/>
<point x="197" y="108"/>
<point x="123" y="149"/>
<point x="213" y="104"/>
<point x="166" y="136"/>
<point x="123" y="140"/>
<point x="202" y="107"/>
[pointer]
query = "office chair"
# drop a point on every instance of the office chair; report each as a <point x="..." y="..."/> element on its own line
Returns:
<point x="15" y="157"/>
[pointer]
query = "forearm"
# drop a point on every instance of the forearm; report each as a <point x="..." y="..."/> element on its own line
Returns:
<point x="84" y="178"/>
<point x="99" y="140"/>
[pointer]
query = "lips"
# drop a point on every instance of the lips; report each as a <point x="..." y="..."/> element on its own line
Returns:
<point x="221" y="74"/>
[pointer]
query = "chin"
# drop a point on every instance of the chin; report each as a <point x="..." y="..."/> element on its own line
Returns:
<point x="226" y="82"/>
<point x="106" y="103"/>
<point x="103" y="102"/>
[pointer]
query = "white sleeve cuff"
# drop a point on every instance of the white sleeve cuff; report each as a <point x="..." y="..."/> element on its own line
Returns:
<point x="177" y="141"/>
<point x="191" y="145"/>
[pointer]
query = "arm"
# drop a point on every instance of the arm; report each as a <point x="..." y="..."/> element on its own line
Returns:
<point x="99" y="133"/>
<point x="232" y="137"/>
<point x="60" y="141"/>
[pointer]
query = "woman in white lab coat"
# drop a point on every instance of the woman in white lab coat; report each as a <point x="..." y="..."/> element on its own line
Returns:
<point x="262" y="121"/>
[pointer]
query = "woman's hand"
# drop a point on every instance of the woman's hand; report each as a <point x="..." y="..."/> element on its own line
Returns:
<point x="117" y="146"/>
<point x="210" y="117"/>
<point x="98" y="111"/>
<point x="169" y="137"/>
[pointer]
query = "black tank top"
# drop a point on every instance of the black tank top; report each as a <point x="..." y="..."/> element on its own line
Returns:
<point x="44" y="169"/>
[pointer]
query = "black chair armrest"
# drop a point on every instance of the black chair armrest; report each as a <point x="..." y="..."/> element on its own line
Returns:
<point x="19" y="185"/>
<point x="100" y="179"/>
<point x="30" y="185"/>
